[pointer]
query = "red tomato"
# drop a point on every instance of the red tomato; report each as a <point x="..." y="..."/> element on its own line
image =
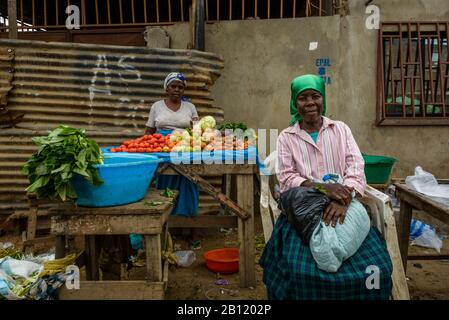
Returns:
<point x="132" y="150"/>
<point x="149" y="150"/>
<point x="158" y="149"/>
<point x="157" y="135"/>
<point x="141" y="150"/>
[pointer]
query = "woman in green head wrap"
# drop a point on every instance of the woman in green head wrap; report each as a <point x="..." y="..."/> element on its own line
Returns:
<point x="312" y="84"/>
<point x="310" y="151"/>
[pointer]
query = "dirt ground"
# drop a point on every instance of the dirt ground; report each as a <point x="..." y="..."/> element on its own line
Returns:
<point x="427" y="280"/>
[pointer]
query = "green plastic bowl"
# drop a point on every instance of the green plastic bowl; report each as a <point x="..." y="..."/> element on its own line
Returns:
<point x="378" y="168"/>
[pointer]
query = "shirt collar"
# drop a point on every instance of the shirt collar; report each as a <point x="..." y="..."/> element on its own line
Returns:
<point x="296" y="129"/>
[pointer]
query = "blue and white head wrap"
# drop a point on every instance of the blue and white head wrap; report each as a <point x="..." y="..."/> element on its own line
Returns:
<point x="173" y="77"/>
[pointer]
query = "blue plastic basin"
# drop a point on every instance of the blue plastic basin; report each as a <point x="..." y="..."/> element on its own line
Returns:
<point x="126" y="180"/>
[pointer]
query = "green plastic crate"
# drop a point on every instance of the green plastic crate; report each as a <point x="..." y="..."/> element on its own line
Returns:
<point x="378" y="168"/>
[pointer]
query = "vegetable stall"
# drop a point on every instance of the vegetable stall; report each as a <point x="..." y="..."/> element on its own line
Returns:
<point x="67" y="156"/>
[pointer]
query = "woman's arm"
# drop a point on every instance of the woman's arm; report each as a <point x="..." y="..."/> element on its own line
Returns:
<point x="151" y="123"/>
<point x="354" y="175"/>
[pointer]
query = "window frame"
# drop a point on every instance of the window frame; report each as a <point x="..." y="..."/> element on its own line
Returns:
<point x="413" y="31"/>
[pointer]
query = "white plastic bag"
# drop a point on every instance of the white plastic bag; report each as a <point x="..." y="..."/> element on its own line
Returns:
<point x="185" y="258"/>
<point x="425" y="182"/>
<point x="428" y="239"/>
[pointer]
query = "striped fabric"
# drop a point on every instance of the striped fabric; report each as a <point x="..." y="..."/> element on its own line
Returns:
<point x="336" y="152"/>
<point x="290" y="273"/>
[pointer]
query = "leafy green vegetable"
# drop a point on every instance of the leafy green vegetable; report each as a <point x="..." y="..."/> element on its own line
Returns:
<point x="321" y="189"/>
<point x="64" y="152"/>
<point x="153" y="203"/>
<point x="234" y="126"/>
<point x="168" y="193"/>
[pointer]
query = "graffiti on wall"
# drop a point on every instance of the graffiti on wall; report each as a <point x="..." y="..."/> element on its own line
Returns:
<point x="323" y="65"/>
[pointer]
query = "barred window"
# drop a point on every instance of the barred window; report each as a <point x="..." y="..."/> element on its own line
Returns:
<point x="413" y="74"/>
<point x="51" y="14"/>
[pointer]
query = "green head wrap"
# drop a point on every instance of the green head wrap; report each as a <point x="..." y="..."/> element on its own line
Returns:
<point x="301" y="84"/>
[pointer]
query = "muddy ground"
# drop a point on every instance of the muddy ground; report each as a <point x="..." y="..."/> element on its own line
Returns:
<point x="426" y="279"/>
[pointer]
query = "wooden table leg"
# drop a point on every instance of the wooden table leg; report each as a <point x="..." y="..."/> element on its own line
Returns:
<point x="153" y="257"/>
<point x="245" y="198"/>
<point x="60" y="247"/>
<point x="92" y="255"/>
<point x="405" y="217"/>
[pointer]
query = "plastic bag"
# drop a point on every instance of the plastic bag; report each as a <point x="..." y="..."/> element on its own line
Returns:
<point x="185" y="258"/>
<point x="425" y="182"/>
<point x="303" y="208"/>
<point x="424" y="235"/>
<point x="331" y="246"/>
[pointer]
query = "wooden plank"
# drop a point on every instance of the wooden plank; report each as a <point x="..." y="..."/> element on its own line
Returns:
<point x="153" y="257"/>
<point x="165" y="274"/>
<point x="107" y="224"/>
<point x="216" y="169"/>
<point x="12" y="19"/>
<point x="32" y="242"/>
<point x="203" y="221"/>
<point x="245" y="198"/>
<point x="207" y="187"/>
<point x="91" y="258"/>
<point x="60" y="247"/>
<point x="142" y="207"/>
<point x="422" y="202"/>
<point x="385" y="209"/>
<point x="405" y="217"/>
<point x="32" y="223"/>
<point x="114" y="290"/>
<point x="428" y="257"/>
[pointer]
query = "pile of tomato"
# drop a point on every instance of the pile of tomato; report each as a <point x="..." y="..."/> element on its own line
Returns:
<point x="147" y="143"/>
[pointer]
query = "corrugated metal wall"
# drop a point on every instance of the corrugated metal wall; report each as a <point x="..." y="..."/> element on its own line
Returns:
<point x="108" y="90"/>
<point x="96" y="86"/>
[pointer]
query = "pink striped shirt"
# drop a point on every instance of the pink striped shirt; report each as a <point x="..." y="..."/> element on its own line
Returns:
<point x="336" y="151"/>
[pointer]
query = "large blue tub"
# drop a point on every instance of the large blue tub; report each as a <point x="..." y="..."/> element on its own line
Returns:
<point x="126" y="180"/>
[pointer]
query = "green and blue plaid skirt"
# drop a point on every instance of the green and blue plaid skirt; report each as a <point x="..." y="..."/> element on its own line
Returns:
<point x="291" y="273"/>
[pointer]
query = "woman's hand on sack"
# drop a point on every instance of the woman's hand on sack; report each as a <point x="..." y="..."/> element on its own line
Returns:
<point x="335" y="212"/>
<point x="338" y="192"/>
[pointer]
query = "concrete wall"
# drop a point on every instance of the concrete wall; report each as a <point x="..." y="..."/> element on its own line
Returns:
<point x="261" y="57"/>
<point x="412" y="146"/>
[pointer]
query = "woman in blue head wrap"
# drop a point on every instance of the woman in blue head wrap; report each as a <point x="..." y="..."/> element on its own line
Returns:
<point x="174" y="112"/>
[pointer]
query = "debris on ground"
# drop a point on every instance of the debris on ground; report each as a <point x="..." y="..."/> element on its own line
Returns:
<point x="222" y="282"/>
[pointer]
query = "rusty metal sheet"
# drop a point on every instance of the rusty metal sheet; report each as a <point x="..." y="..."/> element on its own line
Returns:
<point x="98" y="87"/>
<point x="108" y="90"/>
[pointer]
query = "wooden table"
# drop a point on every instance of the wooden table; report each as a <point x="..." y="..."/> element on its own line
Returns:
<point x="244" y="174"/>
<point x="139" y="218"/>
<point x="410" y="200"/>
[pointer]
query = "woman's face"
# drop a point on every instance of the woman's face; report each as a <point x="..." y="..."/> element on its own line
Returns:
<point x="175" y="90"/>
<point x="310" y="105"/>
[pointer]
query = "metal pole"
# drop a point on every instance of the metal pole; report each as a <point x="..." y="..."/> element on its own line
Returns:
<point x="12" y="19"/>
<point x="199" y="41"/>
